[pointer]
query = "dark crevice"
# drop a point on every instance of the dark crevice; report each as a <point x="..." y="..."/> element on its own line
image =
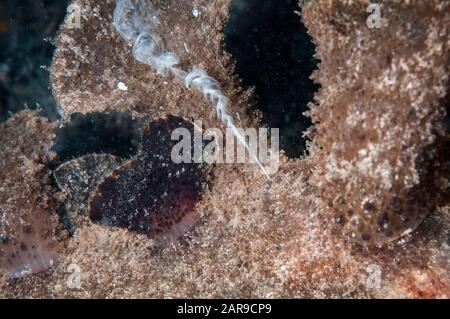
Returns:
<point x="114" y="133"/>
<point x="274" y="54"/>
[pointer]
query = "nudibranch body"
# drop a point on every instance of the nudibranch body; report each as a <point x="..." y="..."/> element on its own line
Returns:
<point x="379" y="136"/>
<point x="136" y="20"/>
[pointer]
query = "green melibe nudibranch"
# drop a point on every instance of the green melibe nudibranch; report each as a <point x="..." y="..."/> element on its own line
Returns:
<point x="136" y="21"/>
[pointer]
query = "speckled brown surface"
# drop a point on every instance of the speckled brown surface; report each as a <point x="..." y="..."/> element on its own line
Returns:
<point x="151" y="194"/>
<point x="380" y="114"/>
<point x="255" y="238"/>
<point x="90" y="62"/>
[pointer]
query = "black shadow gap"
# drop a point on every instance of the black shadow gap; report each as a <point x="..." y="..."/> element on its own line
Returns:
<point x="26" y="30"/>
<point x="275" y="55"/>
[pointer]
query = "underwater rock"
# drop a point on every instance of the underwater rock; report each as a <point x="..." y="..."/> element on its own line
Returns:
<point x="150" y="194"/>
<point x="28" y="242"/>
<point x="380" y="114"/>
<point x="78" y="179"/>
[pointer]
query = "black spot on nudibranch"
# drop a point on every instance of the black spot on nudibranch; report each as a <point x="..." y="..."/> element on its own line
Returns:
<point x="23" y="246"/>
<point x="4" y="240"/>
<point x="339" y="218"/>
<point x="383" y="221"/>
<point x="368" y="206"/>
<point x="151" y="194"/>
<point x="28" y="229"/>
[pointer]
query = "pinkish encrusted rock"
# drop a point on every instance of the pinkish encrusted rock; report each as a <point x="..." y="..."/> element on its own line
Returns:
<point x="257" y="238"/>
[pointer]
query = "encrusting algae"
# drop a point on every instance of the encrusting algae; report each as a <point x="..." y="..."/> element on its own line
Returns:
<point x="377" y="143"/>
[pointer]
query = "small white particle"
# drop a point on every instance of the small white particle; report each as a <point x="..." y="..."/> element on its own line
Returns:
<point x="122" y="86"/>
<point x="195" y="12"/>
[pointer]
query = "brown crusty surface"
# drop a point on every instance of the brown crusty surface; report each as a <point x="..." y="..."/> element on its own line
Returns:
<point x="28" y="222"/>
